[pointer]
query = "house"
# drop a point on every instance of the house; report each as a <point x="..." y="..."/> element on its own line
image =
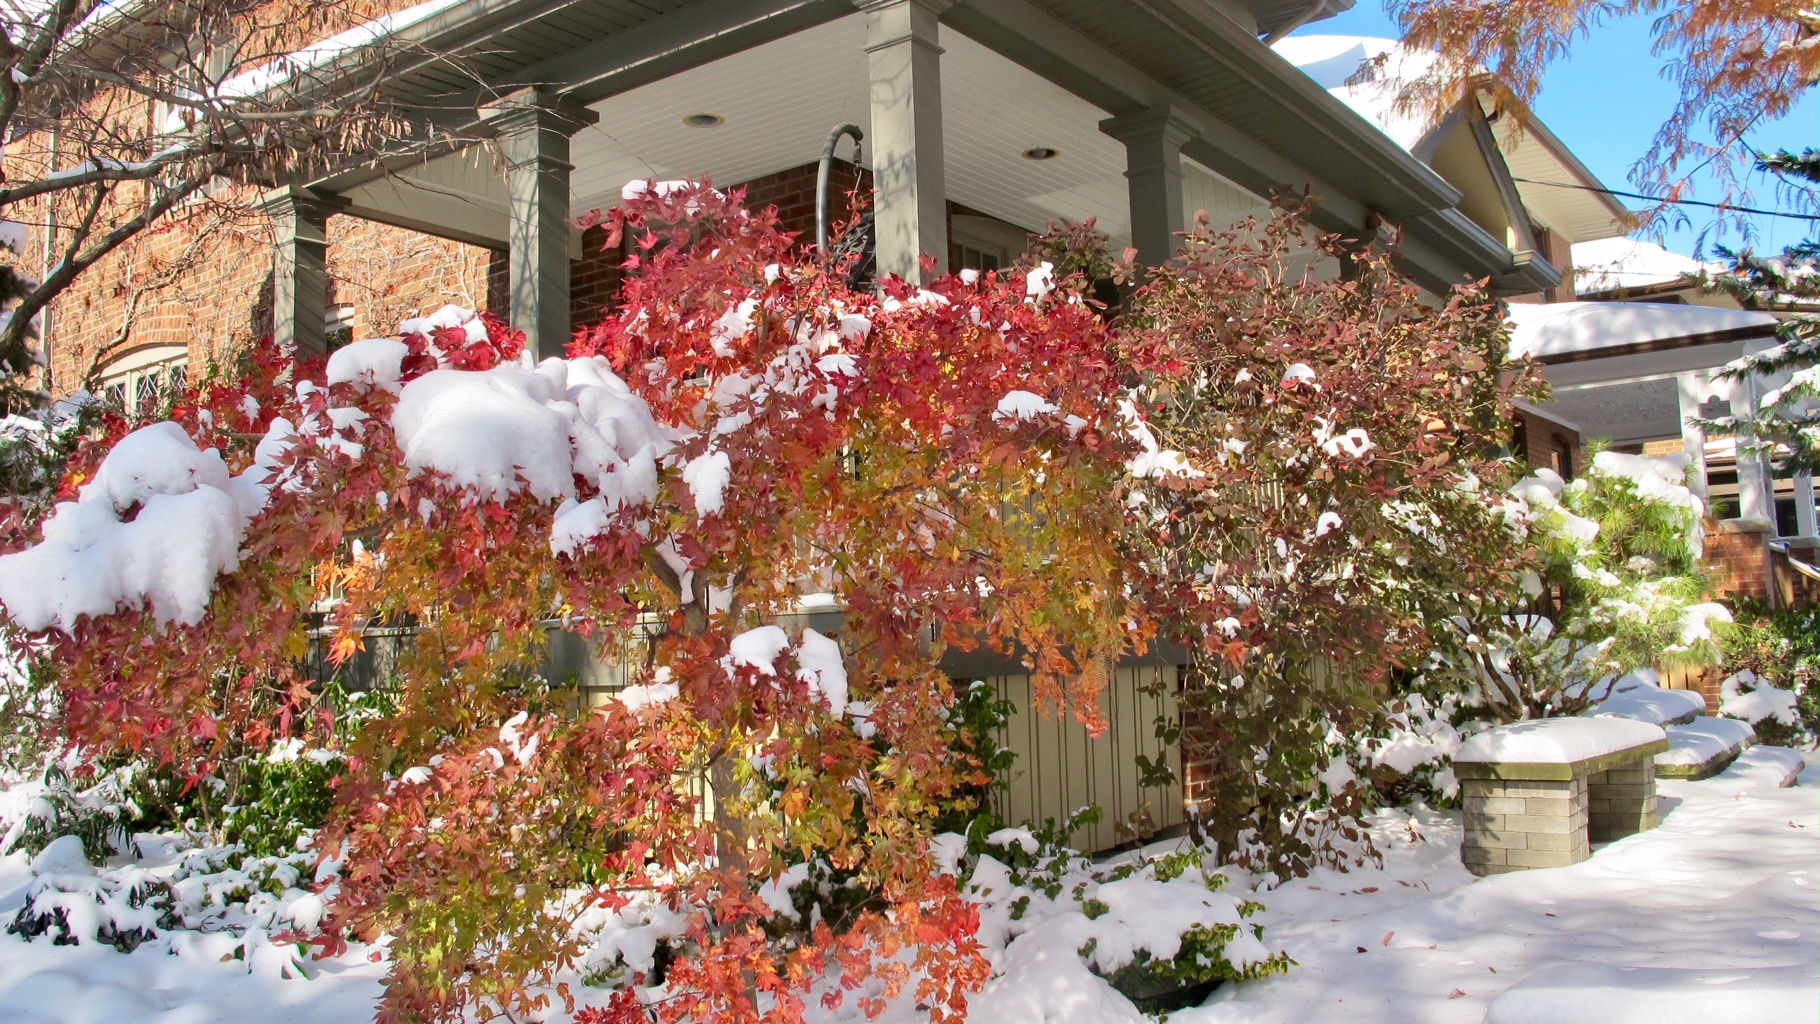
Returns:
<point x="1633" y="358"/>
<point x="978" y="121"/>
<point x="982" y="120"/>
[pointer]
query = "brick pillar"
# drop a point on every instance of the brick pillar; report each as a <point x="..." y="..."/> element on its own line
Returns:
<point x="1622" y="800"/>
<point x="1513" y="824"/>
<point x="1738" y="557"/>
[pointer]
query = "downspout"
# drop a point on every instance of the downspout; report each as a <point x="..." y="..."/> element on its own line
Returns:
<point x="821" y="176"/>
<point x="50" y="246"/>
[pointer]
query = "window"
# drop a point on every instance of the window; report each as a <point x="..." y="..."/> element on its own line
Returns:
<point x="338" y="328"/>
<point x="966" y="257"/>
<point x="1561" y="457"/>
<point x="143" y="383"/>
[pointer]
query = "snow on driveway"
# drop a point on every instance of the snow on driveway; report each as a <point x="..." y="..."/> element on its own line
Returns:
<point x="1727" y="880"/>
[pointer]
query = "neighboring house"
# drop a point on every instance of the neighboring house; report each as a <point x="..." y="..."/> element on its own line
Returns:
<point x="1516" y="179"/>
<point x="1635" y="365"/>
<point x="982" y="121"/>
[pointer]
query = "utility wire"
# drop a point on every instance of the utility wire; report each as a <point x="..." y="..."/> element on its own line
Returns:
<point x="1678" y="202"/>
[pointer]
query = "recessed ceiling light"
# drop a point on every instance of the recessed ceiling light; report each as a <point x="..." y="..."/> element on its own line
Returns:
<point x="704" y="120"/>
<point x="1039" y="153"/>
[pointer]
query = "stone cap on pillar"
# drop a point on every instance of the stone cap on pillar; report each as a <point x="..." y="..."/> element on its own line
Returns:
<point x="1162" y="122"/>
<point x="1557" y="749"/>
<point x="537" y="108"/>
<point x="301" y="210"/>
<point x="1749" y="524"/>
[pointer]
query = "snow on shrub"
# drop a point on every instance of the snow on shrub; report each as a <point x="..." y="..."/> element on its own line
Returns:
<point x="71" y="903"/>
<point x="1072" y="941"/>
<point x="1617" y="587"/>
<point x="1756" y="700"/>
<point x="54" y="807"/>
<point x="160" y="520"/>
<point x="745" y="428"/>
<point x="214" y="904"/>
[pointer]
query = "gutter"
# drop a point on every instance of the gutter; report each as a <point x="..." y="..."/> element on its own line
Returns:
<point x="1271" y="75"/>
<point x="1309" y="13"/>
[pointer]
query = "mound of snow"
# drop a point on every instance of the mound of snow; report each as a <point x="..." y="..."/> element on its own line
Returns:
<point x="1704" y="740"/>
<point x="1763" y="700"/>
<point x="1652" y="704"/>
<point x="158" y="523"/>
<point x="375" y="361"/>
<point x="514" y="426"/>
<point x="1775" y="767"/>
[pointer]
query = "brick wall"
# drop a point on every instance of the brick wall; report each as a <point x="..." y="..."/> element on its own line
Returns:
<point x="212" y="292"/>
<point x="1537" y="440"/>
<point x="214" y="295"/>
<point x="1737" y="557"/>
<point x="594" y="279"/>
<point x="793" y="193"/>
<point x="204" y="288"/>
<point x="388" y="274"/>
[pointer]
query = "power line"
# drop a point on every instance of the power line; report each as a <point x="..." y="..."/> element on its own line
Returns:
<point x="1678" y="202"/>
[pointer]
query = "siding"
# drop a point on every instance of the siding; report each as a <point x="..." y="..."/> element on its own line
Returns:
<point x="1060" y="769"/>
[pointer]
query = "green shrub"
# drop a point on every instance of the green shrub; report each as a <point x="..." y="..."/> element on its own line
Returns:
<point x="1779" y="647"/>
<point x="100" y="813"/>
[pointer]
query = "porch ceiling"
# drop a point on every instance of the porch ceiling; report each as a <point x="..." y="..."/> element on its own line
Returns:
<point x="780" y="99"/>
<point x="1637" y="410"/>
<point x="777" y="101"/>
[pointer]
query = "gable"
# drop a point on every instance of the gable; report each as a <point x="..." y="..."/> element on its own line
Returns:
<point x="1463" y="151"/>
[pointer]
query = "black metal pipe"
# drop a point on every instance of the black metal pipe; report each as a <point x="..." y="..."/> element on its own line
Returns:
<point x="821" y="178"/>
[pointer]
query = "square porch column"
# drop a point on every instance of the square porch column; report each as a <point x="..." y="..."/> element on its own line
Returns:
<point x="910" y="207"/>
<point x="1756" y="489"/>
<point x="1153" y="140"/>
<point x="300" y="276"/>
<point x="533" y="127"/>
<point x="1689" y="387"/>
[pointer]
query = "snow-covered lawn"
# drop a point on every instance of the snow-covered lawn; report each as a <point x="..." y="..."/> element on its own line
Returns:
<point x="1728" y="881"/>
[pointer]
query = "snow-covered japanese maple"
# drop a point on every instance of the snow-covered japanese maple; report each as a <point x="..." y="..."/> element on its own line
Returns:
<point x="749" y="830"/>
<point x="745" y="434"/>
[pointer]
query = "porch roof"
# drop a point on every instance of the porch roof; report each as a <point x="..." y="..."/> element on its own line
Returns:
<point x="1259" y="121"/>
<point x="1567" y="332"/>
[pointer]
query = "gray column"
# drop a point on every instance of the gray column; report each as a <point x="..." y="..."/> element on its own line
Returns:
<point x="1690" y="386"/>
<point x="1756" y="489"/>
<point x="1153" y="140"/>
<point x="910" y="211"/>
<point x="533" y="128"/>
<point x="1804" y="505"/>
<point x="300" y="276"/>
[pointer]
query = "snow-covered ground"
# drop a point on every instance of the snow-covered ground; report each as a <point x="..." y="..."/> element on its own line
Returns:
<point x="1727" y="881"/>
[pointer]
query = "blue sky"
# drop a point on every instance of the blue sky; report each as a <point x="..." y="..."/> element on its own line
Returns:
<point x="1606" y="102"/>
